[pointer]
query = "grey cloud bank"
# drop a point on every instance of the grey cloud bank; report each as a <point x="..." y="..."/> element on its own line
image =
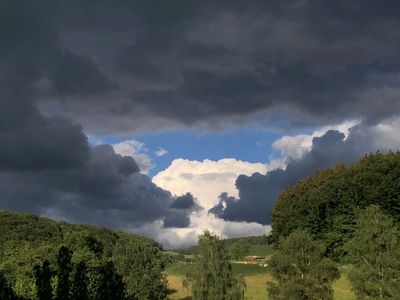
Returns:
<point x="258" y="192"/>
<point x="118" y="66"/>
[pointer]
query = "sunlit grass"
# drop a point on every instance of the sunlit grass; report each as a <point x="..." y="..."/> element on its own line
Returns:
<point x="257" y="286"/>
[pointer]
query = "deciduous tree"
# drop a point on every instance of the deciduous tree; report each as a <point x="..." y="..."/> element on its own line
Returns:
<point x="374" y="253"/>
<point x="212" y="277"/>
<point x="300" y="270"/>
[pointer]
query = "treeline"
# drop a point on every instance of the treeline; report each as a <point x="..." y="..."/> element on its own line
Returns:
<point x="30" y="245"/>
<point x="238" y="247"/>
<point x="68" y="281"/>
<point x="302" y="270"/>
<point x="327" y="204"/>
<point x="350" y="215"/>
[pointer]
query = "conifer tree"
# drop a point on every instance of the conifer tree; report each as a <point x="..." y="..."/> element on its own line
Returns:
<point x="300" y="270"/>
<point x="110" y="285"/>
<point x="43" y="281"/>
<point x="6" y="292"/>
<point x="79" y="287"/>
<point x="64" y="268"/>
<point x="374" y="253"/>
<point x="212" y="277"/>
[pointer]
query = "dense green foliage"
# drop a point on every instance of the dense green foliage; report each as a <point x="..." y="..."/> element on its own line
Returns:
<point x="326" y="204"/>
<point x="79" y="286"/>
<point x="374" y="254"/>
<point x="64" y="269"/>
<point x="27" y="241"/>
<point x="145" y="278"/>
<point x="6" y="292"/>
<point x="212" y="277"/>
<point x="110" y="284"/>
<point x="107" y="283"/>
<point x="43" y="276"/>
<point x="240" y="249"/>
<point x="258" y="245"/>
<point x="300" y="270"/>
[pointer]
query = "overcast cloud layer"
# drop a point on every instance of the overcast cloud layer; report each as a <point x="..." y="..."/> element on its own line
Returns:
<point x="118" y="66"/>
<point x="72" y="67"/>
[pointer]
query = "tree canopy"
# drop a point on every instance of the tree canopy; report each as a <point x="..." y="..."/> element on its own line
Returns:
<point x="326" y="204"/>
<point x="374" y="255"/>
<point x="27" y="241"/>
<point x="212" y="277"/>
<point x="300" y="270"/>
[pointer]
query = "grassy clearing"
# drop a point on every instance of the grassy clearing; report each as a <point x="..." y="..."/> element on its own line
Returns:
<point x="261" y="250"/>
<point x="342" y="289"/>
<point x="175" y="284"/>
<point x="256" y="280"/>
<point x="248" y="270"/>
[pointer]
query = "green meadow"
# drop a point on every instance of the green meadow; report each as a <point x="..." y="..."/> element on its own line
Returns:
<point x="256" y="279"/>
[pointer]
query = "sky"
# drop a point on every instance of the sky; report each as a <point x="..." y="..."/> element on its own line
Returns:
<point x="166" y="118"/>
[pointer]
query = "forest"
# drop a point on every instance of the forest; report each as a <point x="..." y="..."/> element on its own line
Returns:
<point x="31" y="246"/>
<point x="340" y="223"/>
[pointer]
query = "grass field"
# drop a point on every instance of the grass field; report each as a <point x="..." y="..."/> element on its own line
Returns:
<point x="256" y="280"/>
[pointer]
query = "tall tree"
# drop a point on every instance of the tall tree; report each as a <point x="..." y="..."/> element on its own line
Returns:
<point x="64" y="268"/>
<point x="212" y="277"/>
<point x="6" y="292"/>
<point x="143" y="268"/>
<point x="240" y="249"/>
<point x="79" y="287"/>
<point x="374" y="253"/>
<point x="43" y="281"/>
<point x="110" y="285"/>
<point x="300" y="270"/>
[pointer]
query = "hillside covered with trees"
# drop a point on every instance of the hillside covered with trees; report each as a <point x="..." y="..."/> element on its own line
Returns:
<point x="27" y="241"/>
<point x="327" y="204"/>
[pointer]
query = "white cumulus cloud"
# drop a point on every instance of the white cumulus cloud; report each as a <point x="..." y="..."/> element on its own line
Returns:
<point x="137" y="150"/>
<point x="206" y="180"/>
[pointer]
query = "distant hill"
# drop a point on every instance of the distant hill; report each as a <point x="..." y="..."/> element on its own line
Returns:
<point x="327" y="203"/>
<point x="27" y="240"/>
<point x="258" y="245"/>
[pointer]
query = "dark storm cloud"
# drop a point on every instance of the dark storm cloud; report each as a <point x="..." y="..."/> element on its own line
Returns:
<point x="46" y="164"/>
<point x="108" y="190"/>
<point x="184" y="202"/>
<point x="133" y="63"/>
<point x="31" y="142"/>
<point x="258" y="193"/>
<point x="78" y="75"/>
<point x="183" y="206"/>
<point x="177" y="221"/>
